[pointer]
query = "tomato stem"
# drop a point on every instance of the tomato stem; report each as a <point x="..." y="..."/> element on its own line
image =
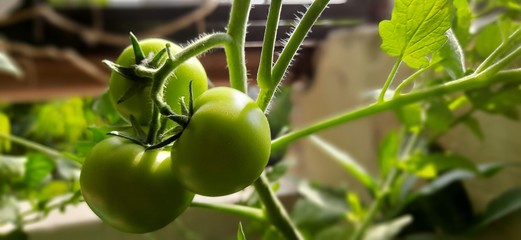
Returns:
<point x="235" y="49"/>
<point x="473" y="81"/>
<point x="390" y="78"/>
<point x="251" y="213"/>
<point x="408" y="81"/>
<point x="268" y="45"/>
<point x="274" y="209"/>
<point x="498" y="51"/>
<point x="288" y="53"/>
<point x="198" y="47"/>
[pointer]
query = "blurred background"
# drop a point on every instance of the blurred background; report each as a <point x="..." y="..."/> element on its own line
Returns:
<point x="53" y="94"/>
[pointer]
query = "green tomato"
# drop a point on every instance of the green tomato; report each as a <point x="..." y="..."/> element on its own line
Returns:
<point x="140" y="104"/>
<point x="131" y="189"/>
<point x="225" y="146"/>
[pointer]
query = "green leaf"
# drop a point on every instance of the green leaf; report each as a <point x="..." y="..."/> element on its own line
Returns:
<point x="240" y="233"/>
<point x="307" y="215"/>
<point x="429" y="165"/>
<point x="504" y="205"/>
<point x="12" y="168"/>
<point x="451" y="56"/>
<point x="462" y="21"/>
<point x="8" y="66"/>
<point x="439" y="117"/>
<point x="5" y="129"/>
<point x="416" y="29"/>
<point x="483" y="170"/>
<point x="336" y="232"/>
<point x="388" y="153"/>
<point x="53" y="189"/>
<point x="38" y="167"/>
<point x="346" y="161"/>
<point x="388" y="230"/>
<point x="411" y="116"/>
<point x="277" y="171"/>
<point x="488" y="39"/>
<point x="504" y="100"/>
<point x="332" y="199"/>
<point x="473" y="124"/>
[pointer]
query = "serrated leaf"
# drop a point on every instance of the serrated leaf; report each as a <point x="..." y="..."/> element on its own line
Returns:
<point x="451" y="56"/>
<point x="388" y="230"/>
<point x="38" y="167"/>
<point x="504" y="205"/>
<point x="240" y="233"/>
<point x="8" y="66"/>
<point x="416" y="29"/>
<point x="346" y="161"/>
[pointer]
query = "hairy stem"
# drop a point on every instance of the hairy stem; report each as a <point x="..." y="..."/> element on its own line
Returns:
<point x="275" y="212"/>
<point x="466" y="83"/>
<point x="288" y="53"/>
<point x="243" y="211"/>
<point x="200" y="46"/>
<point x="235" y="49"/>
<point x="268" y="45"/>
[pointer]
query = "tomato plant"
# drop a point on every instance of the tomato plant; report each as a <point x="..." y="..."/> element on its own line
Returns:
<point x="132" y="189"/>
<point x="225" y="146"/>
<point x="139" y="103"/>
<point x="140" y="182"/>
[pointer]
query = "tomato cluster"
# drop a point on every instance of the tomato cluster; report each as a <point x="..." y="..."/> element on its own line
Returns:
<point x="224" y="147"/>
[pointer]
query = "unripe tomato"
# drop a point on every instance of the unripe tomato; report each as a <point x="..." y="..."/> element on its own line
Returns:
<point x="225" y="146"/>
<point x="140" y="104"/>
<point x="131" y="189"/>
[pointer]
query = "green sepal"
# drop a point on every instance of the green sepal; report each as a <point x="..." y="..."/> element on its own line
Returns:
<point x="166" y="142"/>
<point x="184" y="109"/>
<point x="133" y="90"/>
<point x="157" y="58"/>
<point x="126" y="136"/>
<point x="140" y="133"/>
<point x="138" y="51"/>
<point x="126" y="72"/>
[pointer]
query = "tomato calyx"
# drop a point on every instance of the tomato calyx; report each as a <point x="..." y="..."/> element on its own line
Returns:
<point x="182" y="119"/>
